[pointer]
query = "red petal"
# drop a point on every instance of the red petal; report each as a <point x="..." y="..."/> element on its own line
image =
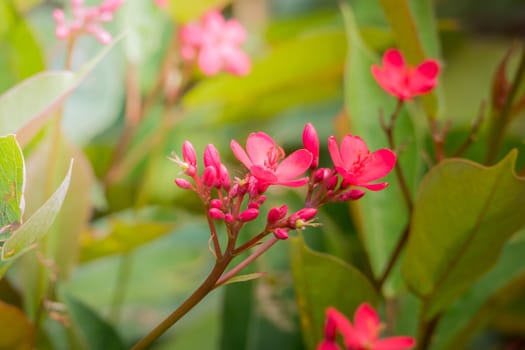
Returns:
<point x="258" y="145"/>
<point x="394" y="343"/>
<point x="210" y="61"/>
<point x="262" y="174"/>
<point x="353" y="148"/>
<point x="393" y="59"/>
<point x="333" y="148"/>
<point x="429" y="68"/>
<point x="328" y="345"/>
<point x="366" y="322"/>
<point x="240" y="154"/>
<point x="294" y="165"/>
<point x="378" y="165"/>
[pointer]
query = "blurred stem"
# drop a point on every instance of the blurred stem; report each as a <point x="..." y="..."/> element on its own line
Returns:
<point x="389" y="131"/>
<point x="500" y="122"/>
<point x="122" y="282"/>
<point x="473" y="131"/>
<point x="214" y="237"/>
<point x="393" y="259"/>
<point x="426" y="331"/>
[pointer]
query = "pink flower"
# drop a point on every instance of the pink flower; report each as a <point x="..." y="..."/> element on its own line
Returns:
<point x="403" y="81"/>
<point x="86" y="20"/>
<point x="357" y="165"/>
<point x="363" y="334"/>
<point x="267" y="163"/>
<point x="311" y="143"/>
<point x="161" y="3"/>
<point x="215" y="44"/>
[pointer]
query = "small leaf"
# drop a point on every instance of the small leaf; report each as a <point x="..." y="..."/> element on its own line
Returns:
<point x="464" y="213"/>
<point x="12" y="176"/>
<point x="322" y="281"/>
<point x="38" y="224"/>
<point x="95" y="331"/>
<point x="244" y="278"/>
<point x="16" y="332"/>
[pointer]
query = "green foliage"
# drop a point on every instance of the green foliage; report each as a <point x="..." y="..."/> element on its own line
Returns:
<point x="323" y="281"/>
<point x="459" y="207"/>
<point x="12" y="177"/>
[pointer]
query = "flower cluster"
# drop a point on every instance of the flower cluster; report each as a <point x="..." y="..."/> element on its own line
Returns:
<point x="86" y="20"/>
<point x="363" y="334"/>
<point x="214" y="43"/>
<point x="240" y="201"/>
<point x="403" y="81"/>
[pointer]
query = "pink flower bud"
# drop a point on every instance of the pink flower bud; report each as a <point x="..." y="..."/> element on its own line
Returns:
<point x="248" y="215"/>
<point x="183" y="183"/>
<point x="306" y="213"/>
<point x="276" y="214"/>
<point x="229" y="218"/>
<point x="216" y="214"/>
<point x="254" y="205"/>
<point x="188" y="153"/>
<point x="280" y="233"/>
<point x="212" y="157"/>
<point x="332" y="182"/>
<point x="215" y="203"/>
<point x="209" y="176"/>
<point x="351" y="195"/>
<point x="225" y="178"/>
<point x="321" y="174"/>
<point x="311" y="143"/>
<point x="261" y="199"/>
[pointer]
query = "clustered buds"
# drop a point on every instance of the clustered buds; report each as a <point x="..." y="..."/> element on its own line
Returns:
<point x="86" y="20"/>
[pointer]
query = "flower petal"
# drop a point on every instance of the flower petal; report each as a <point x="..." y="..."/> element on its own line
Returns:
<point x="366" y="322"/>
<point x="395" y="343"/>
<point x="373" y="187"/>
<point x="210" y="61"/>
<point x="294" y="165"/>
<point x="294" y="183"/>
<point x="240" y="154"/>
<point x="353" y="148"/>
<point x="258" y="145"/>
<point x="429" y="69"/>
<point x="234" y="33"/>
<point x="263" y="175"/>
<point x="393" y="59"/>
<point x="377" y="165"/>
<point x="328" y="345"/>
<point x="236" y="61"/>
<point x="333" y="148"/>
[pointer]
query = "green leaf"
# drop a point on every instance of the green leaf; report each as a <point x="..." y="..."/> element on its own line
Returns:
<point x="95" y="331"/>
<point x="244" y="278"/>
<point x="322" y="281"/>
<point x="184" y="11"/>
<point x="12" y="176"/>
<point x="464" y="213"/>
<point x="379" y="222"/>
<point x="415" y="30"/>
<point x="25" y="108"/>
<point x="16" y="40"/>
<point x="16" y="332"/>
<point x="38" y="224"/>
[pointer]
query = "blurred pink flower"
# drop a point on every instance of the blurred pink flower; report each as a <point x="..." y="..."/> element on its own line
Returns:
<point x="403" y="81"/>
<point x="161" y="3"/>
<point x="267" y="163"/>
<point x="86" y="20"/>
<point x="363" y="334"/>
<point x="357" y="165"/>
<point x="215" y="44"/>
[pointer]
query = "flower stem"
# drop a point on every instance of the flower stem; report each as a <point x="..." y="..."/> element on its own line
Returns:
<point x="204" y="289"/>
<point x="393" y="259"/>
<point x="426" y="331"/>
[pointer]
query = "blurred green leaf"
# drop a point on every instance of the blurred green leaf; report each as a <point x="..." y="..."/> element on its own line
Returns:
<point x="284" y="67"/>
<point x="16" y="332"/>
<point x="122" y="232"/>
<point x="184" y="11"/>
<point x="344" y="288"/>
<point x="95" y="331"/>
<point x="244" y="278"/>
<point x="414" y="26"/>
<point x="12" y="177"/>
<point x="38" y="224"/>
<point x="16" y="40"/>
<point x="379" y="222"/>
<point x="25" y="108"/>
<point x="464" y="213"/>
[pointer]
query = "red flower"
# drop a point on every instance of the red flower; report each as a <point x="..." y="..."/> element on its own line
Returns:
<point x="268" y="164"/>
<point x="402" y="80"/>
<point x="357" y="165"/>
<point x="363" y="334"/>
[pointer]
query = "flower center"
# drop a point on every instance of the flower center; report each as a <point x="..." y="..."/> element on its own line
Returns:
<point x="273" y="157"/>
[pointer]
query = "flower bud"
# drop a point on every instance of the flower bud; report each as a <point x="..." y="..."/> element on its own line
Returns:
<point x="311" y="143"/>
<point x="212" y="157"/>
<point x="229" y="218"/>
<point x="254" y="205"/>
<point x="216" y="214"/>
<point x="321" y="174"/>
<point x="225" y="178"/>
<point x="306" y="213"/>
<point x="352" y="195"/>
<point x="248" y="215"/>
<point x="332" y="182"/>
<point x="209" y="176"/>
<point x="276" y="214"/>
<point x="215" y="203"/>
<point x="183" y="183"/>
<point x="188" y="153"/>
<point x="280" y="233"/>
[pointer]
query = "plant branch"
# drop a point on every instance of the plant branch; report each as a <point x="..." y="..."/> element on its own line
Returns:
<point x="426" y="331"/>
<point x="393" y="259"/>
<point x="473" y="131"/>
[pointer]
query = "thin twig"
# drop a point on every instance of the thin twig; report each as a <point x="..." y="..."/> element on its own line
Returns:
<point x="472" y="136"/>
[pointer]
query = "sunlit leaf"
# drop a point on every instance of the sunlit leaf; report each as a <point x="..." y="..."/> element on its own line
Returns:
<point x="184" y="11"/>
<point x="464" y="213"/>
<point x="12" y="176"/>
<point x="322" y="281"/>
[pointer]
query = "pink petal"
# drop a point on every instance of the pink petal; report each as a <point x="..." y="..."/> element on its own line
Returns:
<point x="333" y="148"/>
<point x="213" y="22"/>
<point x="236" y="61"/>
<point x="294" y="165"/>
<point x="373" y="187"/>
<point x="262" y="174"/>
<point x="378" y="165"/>
<point x="240" y="154"/>
<point x="353" y="149"/>
<point x="328" y="345"/>
<point x="366" y="322"/>
<point x="394" y="343"/>
<point x="258" y="145"/>
<point x="393" y="59"/>
<point x="341" y="322"/>
<point x="210" y="61"/>
<point x="294" y="183"/>
<point x="429" y="69"/>
<point x="234" y="33"/>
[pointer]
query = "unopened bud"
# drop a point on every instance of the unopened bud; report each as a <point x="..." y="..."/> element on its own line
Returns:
<point x="215" y="203"/>
<point x="280" y="233"/>
<point x="321" y="174"/>
<point x="212" y="157"/>
<point x="276" y="214"/>
<point x="183" y="183"/>
<point x="254" y="205"/>
<point x="331" y="182"/>
<point x="352" y="195"/>
<point x="188" y="153"/>
<point x="248" y="215"/>
<point x="209" y="176"/>
<point x="229" y="218"/>
<point x="225" y="178"/>
<point x="216" y="214"/>
<point x="311" y="143"/>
